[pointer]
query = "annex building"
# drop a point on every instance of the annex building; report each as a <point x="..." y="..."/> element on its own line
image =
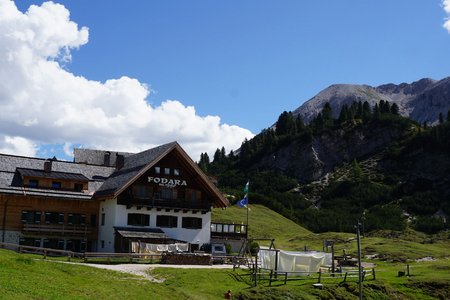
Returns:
<point x="104" y="200"/>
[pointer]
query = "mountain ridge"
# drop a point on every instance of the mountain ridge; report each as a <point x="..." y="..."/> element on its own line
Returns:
<point x="422" y="100"/>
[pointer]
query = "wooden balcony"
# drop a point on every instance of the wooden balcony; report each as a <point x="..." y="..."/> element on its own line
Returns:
<point x="158" y="202"/>
<point x="228" y="231"/>
<point x="58" y="229"/>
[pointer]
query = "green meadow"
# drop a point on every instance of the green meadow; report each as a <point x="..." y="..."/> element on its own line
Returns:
<point x="26" y="276"/>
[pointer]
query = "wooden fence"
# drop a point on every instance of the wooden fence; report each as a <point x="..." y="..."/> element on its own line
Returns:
<point x="284" y="277"/>
<point x="104" y="257"/>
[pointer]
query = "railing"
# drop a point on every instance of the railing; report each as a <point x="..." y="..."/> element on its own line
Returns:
<point x="159" y="202"/>
<point x="104" y="257"/>
<point x="62" y="229"/>
<point x="274" y="276"/>
<point x="228" y="230"/>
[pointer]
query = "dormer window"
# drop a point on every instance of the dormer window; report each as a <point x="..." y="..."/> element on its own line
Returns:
<point x="33" y="183"/>
<point x="78" y="187"/>
<point x="157" y="170"/>
<point x="166" y="171"/>
<point x="56" y="185"/>
<point x="176" y="172"/>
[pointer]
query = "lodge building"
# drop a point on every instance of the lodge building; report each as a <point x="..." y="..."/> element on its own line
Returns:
<point x="104" y="200"/>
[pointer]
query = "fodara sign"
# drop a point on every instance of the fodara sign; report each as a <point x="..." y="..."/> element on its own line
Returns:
<point x="167" y="182"/>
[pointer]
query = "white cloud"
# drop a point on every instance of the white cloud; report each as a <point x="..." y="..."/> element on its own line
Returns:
<point x="446" y="6"/>
<point x="44" y="104"/>
<point x="16" y="146"/>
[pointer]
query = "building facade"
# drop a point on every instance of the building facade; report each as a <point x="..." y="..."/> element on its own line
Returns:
<point x="104" y="200"/>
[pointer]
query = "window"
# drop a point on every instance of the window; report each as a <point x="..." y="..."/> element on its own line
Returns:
<point x="93" y="220"/>
<point x="157" y="170"/>
<point x="191" y="223"/>
<point x="78" y="187"/>
<point x="30" y="242"/>
<point x="31" y="217"/>
<point x="54" y="218"/>
<point x="33" y="183"/>
<point x="176" y="172"/>
<point x="166" y="171"/>
<point x="103" y="220"/>
<point x="51" y="243"/>
<point x="181" y="195"/>
<point x="141" y="191"/>
<point x="103" y="244"/>
<point x="76" y="219"/>
<point x="56" y="185"/>
<point x="167" y="221"/>
<point x="167" y="193"/>
<point x="138" y="220"/>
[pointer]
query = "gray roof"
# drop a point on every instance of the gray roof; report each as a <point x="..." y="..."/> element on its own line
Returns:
<point x="96" y="157"/>
<point x="52" y="174"/>
<point x="10" y="178"/>
<point x="149" y="233"/>
<point x="132" y="166"/>
<point x="45" y="193"/>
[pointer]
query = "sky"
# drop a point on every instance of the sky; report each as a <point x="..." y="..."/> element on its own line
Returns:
<point x="130" y="75"/>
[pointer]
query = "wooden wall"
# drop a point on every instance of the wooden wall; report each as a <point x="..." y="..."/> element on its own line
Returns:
<point x="13" y="205"/>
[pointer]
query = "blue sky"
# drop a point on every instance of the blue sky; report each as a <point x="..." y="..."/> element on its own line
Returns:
<point x="247" y="61"/>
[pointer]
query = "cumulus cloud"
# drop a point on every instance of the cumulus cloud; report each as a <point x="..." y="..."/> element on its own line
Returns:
<point x="44" y="104"/>
<point x="17" y="145"/>
<point x="446" y="6"/>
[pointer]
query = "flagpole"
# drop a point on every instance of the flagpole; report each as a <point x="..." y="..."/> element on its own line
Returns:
<point x="246" y="188"/>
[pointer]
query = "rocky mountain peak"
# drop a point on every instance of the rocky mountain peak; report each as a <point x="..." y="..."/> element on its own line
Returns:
<point x="421" y="100"/>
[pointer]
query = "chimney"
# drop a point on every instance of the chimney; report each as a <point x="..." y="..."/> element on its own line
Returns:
<point x="120" y="160"/>
<point x="106" y="159"/>
<point x="48" y="165"/>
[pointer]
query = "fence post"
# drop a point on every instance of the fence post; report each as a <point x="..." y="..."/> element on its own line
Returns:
<point x="320" y="276"/>
<point x="373" y="273"/>
<point x="45" y="254"/>
<point x="85" y="257"/>
<point x="407" y="270"/>
<point x="285" y="277"/>
<point x="270" y="277"/>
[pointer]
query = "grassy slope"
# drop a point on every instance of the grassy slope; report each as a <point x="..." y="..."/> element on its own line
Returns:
<point x="265" y="223"/>
<point x="23" y="277"/>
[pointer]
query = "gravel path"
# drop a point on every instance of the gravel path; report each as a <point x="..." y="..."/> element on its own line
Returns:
<point x="142" y="269"/>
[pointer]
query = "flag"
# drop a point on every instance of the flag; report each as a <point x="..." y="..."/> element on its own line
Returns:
<point x="246" y="187"/>
<point x="243" y="202"/>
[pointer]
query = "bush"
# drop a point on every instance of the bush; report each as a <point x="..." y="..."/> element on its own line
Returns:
<point x="429" y="224"/>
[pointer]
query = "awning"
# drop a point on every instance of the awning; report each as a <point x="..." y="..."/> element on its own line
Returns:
<point x="142" y="233"/>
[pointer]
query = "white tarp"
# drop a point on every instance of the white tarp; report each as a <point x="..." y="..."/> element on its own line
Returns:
<point x="288" y="261"/>
<point x="139" y="247"/>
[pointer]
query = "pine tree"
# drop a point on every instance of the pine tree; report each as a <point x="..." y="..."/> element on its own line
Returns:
<point x="285" y="124"/>
<point x="359" y="113"/>
<point x="366" y="110"/>
<point x="343" y="115"/>
<point x="395" y="109"/>
<point x="376" y="111"/>
<point x="299" y="124"/>
<point x="448" y="116"/>
<point x="441" y="118"/>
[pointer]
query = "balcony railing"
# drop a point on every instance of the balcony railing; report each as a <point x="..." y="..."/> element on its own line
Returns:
<point x="60" y="229"/>
<point x="228" y="230"/>
<point x="159" y="202"/>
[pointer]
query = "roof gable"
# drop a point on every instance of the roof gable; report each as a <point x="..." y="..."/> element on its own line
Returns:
<point x="137" y="165"/>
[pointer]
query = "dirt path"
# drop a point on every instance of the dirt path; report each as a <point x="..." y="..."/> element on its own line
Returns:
<point x="142" y="269"/>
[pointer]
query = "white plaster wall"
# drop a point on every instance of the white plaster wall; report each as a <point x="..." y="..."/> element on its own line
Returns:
<point x="194" y="236"/>
<point x="106" y="232"/>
